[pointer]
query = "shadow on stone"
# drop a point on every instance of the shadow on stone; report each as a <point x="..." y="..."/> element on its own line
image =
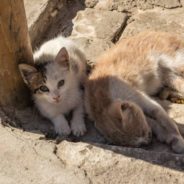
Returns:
<point x="62" y="22"/>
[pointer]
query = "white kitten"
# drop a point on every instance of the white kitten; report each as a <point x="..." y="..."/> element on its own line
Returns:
<point x="56" y="80"/>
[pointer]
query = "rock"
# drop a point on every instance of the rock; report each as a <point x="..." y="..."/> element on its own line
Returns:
<point x="25" y="159"/>
<point x="48" y="18"/>
<point x="105" y="166"/>
<point x="92" y="47"/>
<point x="90" y="3"/>
<point x="123" y="5"/>
<point x="167" y="20"/>
<point x="39" y="15"/>
<point x="167" y="3"/>
<point x="134" y="5"/>
<point x="32" y="11"/>
<point x="182" y="2"/>
<point x="89" y="33"/>
<point x="91" y="23"/>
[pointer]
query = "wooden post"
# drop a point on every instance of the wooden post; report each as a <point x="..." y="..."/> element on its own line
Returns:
<point x="15" y="48"/>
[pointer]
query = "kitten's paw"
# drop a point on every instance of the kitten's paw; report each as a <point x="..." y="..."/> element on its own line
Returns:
<point x="178" y="145"/>
<point x="62" y="129"/>
<point x="78" y="128"/>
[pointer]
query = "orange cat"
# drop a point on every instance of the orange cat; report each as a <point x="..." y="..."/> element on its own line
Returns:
<point x="119" y="89"/>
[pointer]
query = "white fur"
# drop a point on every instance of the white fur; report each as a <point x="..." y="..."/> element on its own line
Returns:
<point x="53" y="46"/>
<point x="70" y="94"/>
<point x="167" y="61"/>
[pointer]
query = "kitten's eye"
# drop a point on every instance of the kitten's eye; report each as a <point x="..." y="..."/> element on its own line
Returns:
<point x="61" y="83"/>
<point x="44" y="88"/>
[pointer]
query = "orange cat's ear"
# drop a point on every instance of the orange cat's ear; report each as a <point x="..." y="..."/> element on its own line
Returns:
<point x="27" y="72"/>
<point x="115" y="109"/>
<point x="121" y="111"/>
<point x="63" y="58"/>
<point x="115" y="112"/>
<point x="118" y="107"/>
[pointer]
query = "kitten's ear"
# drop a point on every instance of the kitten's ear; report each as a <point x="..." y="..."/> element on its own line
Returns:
<point x="115" y="108"/>
<point x="118" y="107"/>
<point x="115" y="112"/>
<point x="27" y="72"/>
<point x="63" y="58"/>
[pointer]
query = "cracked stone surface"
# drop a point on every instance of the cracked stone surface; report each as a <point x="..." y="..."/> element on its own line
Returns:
<point x="95" y="25"/>
<point x="165" y="20"/>
<point x="39" y="14"/>
<point x="132" y="5"/>
<point x="25" y="159"/>
<point x="100" y="24"/>
<point x="89" y="46"/>
<point x="94" y="28"/>
<point x="104" y="166"/>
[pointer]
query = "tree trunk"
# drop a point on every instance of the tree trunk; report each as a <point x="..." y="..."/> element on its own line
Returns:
<point x="15" y="48"/>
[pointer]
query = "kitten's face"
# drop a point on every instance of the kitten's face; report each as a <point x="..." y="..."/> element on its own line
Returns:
<point x="51" y="80"/>
<point x="55" y="83"/>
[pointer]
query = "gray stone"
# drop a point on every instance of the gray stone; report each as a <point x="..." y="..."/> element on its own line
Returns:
<point x="110" y="165"/>
<point x="166" y="20"/>
<point x="39" y="14"/>
<point x="167" y="3"/>
<point x="25" y="159"/>
<point x="92" y="47"/>
<point x="90" y="3"/>
<point x="123" y="5"/>
<point x="91" y="23"/>
<point x="134" y="5"/>
<point x="182" y="2"/>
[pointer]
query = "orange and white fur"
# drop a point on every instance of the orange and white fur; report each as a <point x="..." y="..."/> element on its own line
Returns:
<point x="119" y="89"/>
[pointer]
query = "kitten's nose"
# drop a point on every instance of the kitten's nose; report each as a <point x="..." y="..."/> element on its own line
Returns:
<point x="56" y="98"/>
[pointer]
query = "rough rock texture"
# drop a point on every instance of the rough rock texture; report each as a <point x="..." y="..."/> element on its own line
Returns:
<point x="165" y="20"/>
<point x="105" y="166"/>
<point x="88" y="30"/>
<point x="39" y="15"/>
<point x="27" y="157"/>
<point x="91" y="3"/>
<point x="100" y="24"/>
<point x="132" y="5"/>
<point x="48" y="18"/>
<point x="167" y="3"/>
<point x="89" y="46"/>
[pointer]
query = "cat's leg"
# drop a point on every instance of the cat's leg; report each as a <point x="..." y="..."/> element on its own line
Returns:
<point x="161" y="135"/>
<point x="77" y="123"/>
<point x="158" y="130"/>
<point x="163" y="127"/>
<point x="61" y="125"/>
